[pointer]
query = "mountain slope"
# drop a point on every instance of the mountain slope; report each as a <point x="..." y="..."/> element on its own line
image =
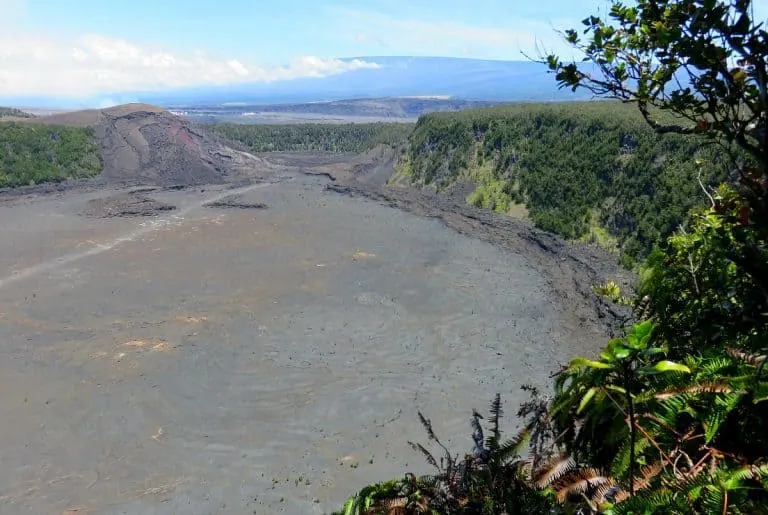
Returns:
<point x="333" y="111"/>
<point x="471" y="79"/>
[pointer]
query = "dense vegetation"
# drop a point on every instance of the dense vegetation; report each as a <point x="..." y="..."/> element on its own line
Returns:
<point x="351" y="137"/>
<point x="671" y="417"/>
<point x="33" y="153"/>
<point x="16" y="113"/>
<point x="591" y="169"/>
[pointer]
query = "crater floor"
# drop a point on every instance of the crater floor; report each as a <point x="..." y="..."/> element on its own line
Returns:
<point x="220" y="360"/>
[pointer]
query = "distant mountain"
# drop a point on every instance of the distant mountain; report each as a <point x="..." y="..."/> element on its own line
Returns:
<point x="334" y="111"/>
<point x="468" y="79"/>
<point x="455" y="78"/>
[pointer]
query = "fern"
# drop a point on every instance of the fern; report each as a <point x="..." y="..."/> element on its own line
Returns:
<point x="553" y="471"/>
<point x="723" y="406"/>
<point x="620" y="465"/>
<point x="494" y="440"/>
<point x="753" y="359"/>
<point x="580" y="481"/>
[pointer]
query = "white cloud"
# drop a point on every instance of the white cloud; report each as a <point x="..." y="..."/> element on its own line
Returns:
<point x="94" y="64"/>
<point x="442" y="38"/>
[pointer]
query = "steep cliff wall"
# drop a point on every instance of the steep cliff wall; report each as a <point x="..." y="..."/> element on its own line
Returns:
<point x="587" y="170"/>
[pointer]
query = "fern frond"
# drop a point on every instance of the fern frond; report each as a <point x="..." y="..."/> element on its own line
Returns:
<point x="714" y="367"/>
<point x="705" y="387"/>
<point x="714" y="500"/>
<point x="750" y="472"/>
<point x="427" y="455"/>
<point x="580" y="481"/>
<point x="496" y="414"/>
<point x="478" y="436"/>
<point x="647" y="473"/>
<point x="753" y="359"/>
<point x="372" y="496"/>
<point x="512" y="448"/>
<point x="609" y="492"/>
<point x="427" y="426"/>
<point x="620" y="464"/>
<point x="390" y="507"/>
<point x="556" y="468"/>
<point x="647" y="503"/>
<point x="724" y="405"/>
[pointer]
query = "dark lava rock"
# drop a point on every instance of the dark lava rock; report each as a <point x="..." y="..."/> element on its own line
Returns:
<point x="235" y="202"/>
<point x="126" y="204"/>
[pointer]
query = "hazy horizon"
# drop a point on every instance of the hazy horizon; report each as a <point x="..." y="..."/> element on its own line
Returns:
<point x="91" y="52"/>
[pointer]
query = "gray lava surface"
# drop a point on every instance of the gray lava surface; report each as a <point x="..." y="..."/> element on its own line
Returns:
<point x="252" y="361"/>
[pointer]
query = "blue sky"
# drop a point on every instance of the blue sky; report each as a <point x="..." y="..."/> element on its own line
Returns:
<point x="275" y="32"/>
<point x="87" y="47"/>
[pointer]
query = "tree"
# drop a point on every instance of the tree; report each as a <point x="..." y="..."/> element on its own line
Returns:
<point x="704" y="61"/>
<point x="696" y="67"/>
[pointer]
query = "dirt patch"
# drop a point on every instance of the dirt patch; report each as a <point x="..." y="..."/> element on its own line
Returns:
<point x="126" y="205"/>
<point x="236" y="202"/>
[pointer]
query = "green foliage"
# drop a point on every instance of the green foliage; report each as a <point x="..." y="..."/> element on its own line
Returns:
<point x="33" y="153"/>
<point x="699" y="414"/>
<point x="493" y="479"/>
<point x="710" y="285"/>
<point x="16" y="113"/>
<point x="491" y="194"/>
<point x="351" y="137"/>
<point x="574" y="166"/>
<point x="667" y="430"/>
<point x="704" y="62"/>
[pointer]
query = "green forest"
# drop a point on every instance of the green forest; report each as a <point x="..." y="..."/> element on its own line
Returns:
<point x="12" y="111"/>
<point x="671" y="417"/>
<point x="33" y="153"/>
<point x="351" y="137"/>
<point x="583" y="170"/>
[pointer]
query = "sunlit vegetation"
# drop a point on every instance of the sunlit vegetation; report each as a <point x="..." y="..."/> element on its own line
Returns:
<point x="351" y="137"/>
<point x="580" y="169"/>
<point x="13" y="112"/>
<point x="33" y="154"/>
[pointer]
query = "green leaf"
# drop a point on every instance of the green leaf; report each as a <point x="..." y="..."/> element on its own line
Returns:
<point x="616" y="350"/>
<point x="583" y="362"/>
<point x="615" y="388"/>
<point x="653" y="351"/>
<point x="760" y="392"/>
<point x="640" y="335"/>
<point x="621" y="352"/>
<point x="663" y="367"/>
<point x="587" y="397"/>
